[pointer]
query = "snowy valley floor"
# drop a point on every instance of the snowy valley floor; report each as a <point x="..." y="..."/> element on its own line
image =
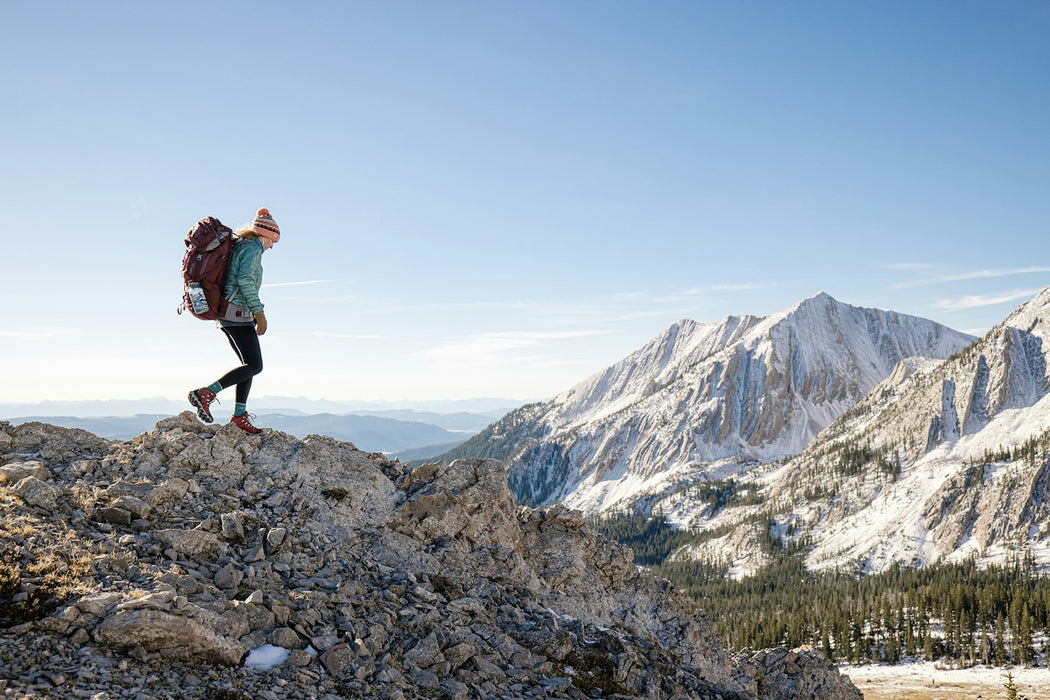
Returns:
<point x="925" y="681"/>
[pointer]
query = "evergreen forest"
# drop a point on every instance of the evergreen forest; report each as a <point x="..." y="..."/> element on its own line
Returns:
<point x="956" y="614"/>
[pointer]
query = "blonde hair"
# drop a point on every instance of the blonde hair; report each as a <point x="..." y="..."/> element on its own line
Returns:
<point x="247" y="232"/>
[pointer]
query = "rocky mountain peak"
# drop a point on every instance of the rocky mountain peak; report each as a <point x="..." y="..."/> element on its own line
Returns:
<point x="820" y="300"/>
<point x="197" y="561"/>
<point x="744" y="389"/>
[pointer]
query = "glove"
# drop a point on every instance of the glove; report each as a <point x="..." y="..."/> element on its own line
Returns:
<point x="260" y="322"/>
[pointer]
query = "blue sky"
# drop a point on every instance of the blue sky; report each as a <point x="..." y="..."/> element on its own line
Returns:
<point x="501" y="198"/>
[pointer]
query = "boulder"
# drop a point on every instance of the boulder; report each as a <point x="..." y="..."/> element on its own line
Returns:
<point x="16" y="471"/>
<point x="172" y="636"/>
<point x="342" y="485"/>
<point x="38" y="493"/>
<point x="466" y="511"/>
<point x="789" y="674"/>
<point x="191" y="543"/>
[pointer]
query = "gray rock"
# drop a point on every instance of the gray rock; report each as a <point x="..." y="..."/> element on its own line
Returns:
<point x="167" y="490"/>
<point x="324" y="641"/>
<point x="255" y="554"/>
<point x="488" y="670"/>
<point x="424" y="679"/>
<point x="426" y="652"/>
<point x="190" y="543"/>
<point x="113" y="516"/>
<point x="136" y="506"/>
<point x="97" y="605"/>
<point x="300" y="658"/>
<point x="275" y="538"/>
<point x="232" y="527"/>
<point x="342" y="484"/>
<point x="229" y="576"/>
<point x="337" y="659"/>
<point x="16" y="471"/>
<point x="172" y="636"/>
<point x="38" y="493"/>
<point x="287" y="638"/>
<point x="459" y="654"/>
<point x="783" y="674"/>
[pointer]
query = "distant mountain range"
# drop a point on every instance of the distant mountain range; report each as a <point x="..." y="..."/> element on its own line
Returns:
<point x="492" y="408"/>
<point x="417" y="434"/>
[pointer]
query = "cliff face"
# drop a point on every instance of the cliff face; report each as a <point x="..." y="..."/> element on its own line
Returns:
<point x="943" y="461"/>
<point x="970" y="439"/>
<point x="159" y="566"/>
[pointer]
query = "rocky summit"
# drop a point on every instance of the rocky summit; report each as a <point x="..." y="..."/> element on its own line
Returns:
<point x="199" y="562"/>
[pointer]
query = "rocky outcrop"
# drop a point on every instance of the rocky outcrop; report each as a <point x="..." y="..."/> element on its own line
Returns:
<point x="168" y="565"/>
<point x="783" y="674"/>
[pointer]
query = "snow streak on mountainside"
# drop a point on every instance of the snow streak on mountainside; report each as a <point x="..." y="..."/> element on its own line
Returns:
<point x="942" y="461"/>
<point x="746" y="388"/>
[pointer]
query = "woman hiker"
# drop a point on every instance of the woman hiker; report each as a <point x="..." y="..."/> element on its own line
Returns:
<point x="242" y="288"/>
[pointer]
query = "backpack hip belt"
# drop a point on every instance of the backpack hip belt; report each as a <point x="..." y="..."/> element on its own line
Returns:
<point x="238" y="313"/>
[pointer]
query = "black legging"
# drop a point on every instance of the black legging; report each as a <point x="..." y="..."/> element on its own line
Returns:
<point x="245" y="342"/>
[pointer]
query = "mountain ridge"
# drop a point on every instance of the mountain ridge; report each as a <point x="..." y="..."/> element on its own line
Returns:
<point x="743" y="389"/>
<point x="943" y="461"/>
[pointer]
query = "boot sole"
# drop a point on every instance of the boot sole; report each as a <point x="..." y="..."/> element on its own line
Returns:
<point x="202" y="412"/>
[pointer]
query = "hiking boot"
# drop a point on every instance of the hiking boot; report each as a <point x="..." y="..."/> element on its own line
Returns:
<point x="201" y="399"/>
<point x="244" y="422"/>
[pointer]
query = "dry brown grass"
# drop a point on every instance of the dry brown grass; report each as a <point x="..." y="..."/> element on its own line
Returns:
<point x="40" y="557"/>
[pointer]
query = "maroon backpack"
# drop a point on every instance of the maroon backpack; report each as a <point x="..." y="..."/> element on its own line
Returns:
<point x="208" y="248"/>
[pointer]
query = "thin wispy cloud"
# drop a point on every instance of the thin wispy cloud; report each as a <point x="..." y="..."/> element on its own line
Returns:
<point x="528" y="338"/>
<point x="32" y="335"/>
<point x="909" y="266"/>
<point x="451" y="307"/>
<point x="694" y="294"/>
<point x="575" y="311"/>
<point x="975" y="275"/>
<point x="400" y="309"/>
<point x="517" y="305"/>
<point x="340" y="299"/>
<point x="304" y="283"/>
<point x="668" y="313"/>
<point x="138" y="207"/>
<point x="348" y="336"/>
<point x="974" y="301"/>
<point x="496" y="344"/>
<point x="738" y="287"/>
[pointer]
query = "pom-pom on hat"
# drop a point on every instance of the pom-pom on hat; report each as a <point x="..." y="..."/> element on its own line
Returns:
<point x="265" y="226"/>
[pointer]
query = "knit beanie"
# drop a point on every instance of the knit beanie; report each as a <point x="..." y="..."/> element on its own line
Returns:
<point x="265" y="226"/>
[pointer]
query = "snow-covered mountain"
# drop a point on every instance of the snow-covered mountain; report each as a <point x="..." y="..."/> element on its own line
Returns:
<point x="701" y="399"/>
<point x="940" y="462"/>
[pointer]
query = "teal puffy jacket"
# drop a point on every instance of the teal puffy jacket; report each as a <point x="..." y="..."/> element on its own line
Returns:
<point x="244" y="276"/>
